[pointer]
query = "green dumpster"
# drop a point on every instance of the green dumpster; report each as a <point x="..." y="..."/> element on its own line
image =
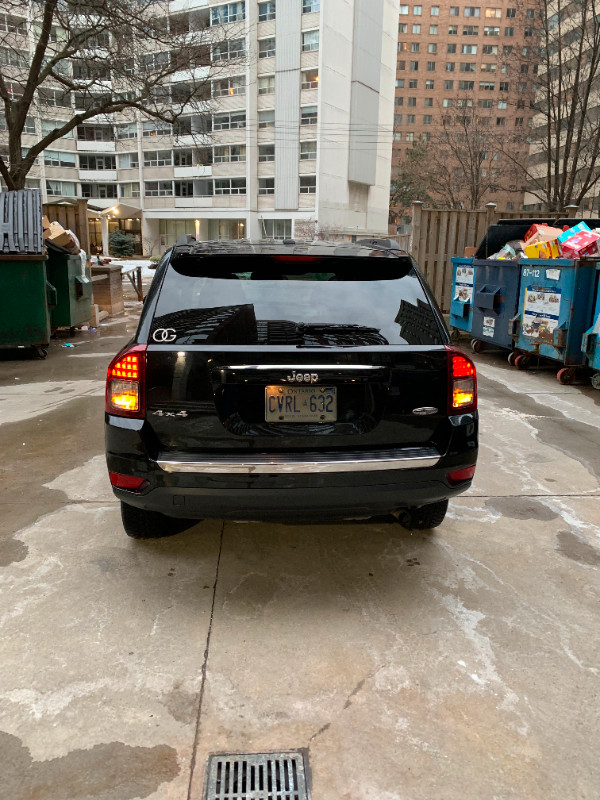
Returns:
<point x="25" y="300"/>
<point x="71" y="277"/>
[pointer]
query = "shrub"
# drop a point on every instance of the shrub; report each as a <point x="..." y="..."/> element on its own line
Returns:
<point x="121" y="244"/>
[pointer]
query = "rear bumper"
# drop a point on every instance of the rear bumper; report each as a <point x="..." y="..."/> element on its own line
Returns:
<point x="299" y="487"/>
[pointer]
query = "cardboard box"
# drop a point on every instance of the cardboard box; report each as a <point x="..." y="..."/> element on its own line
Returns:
<point x="543" y="250"/>
<point x="584" y="243"/>
<point x="470" y="252"/>
<point x="45" y="223"/>
<point x="544" y="234"/>
<point x="58" y="235"/>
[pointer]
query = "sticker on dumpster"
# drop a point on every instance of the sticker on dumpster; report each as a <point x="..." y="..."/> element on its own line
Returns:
<point x="463" y="290"/>
<point x="541" y="312"/>
<point x="489" y="325"/>
<point x="553" y="274"/>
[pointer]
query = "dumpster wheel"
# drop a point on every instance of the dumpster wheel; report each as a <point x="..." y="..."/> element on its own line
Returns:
<point x="522" y="361"/>
<point x="40" y="351"/>
<point x="512" y="357"/>
<point x="477" y="346"/>
<point x="566" y="375"/>
<point x="596" y="380"/>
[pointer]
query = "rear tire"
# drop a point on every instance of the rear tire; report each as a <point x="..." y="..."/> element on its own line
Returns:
<point x="425" y="517"/>
<point x="142" y="524"/>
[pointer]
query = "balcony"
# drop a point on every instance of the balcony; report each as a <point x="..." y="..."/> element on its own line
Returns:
<point x="104" y="175"/>
<point x="95" y="147"/>
<point x="192" y="172"/>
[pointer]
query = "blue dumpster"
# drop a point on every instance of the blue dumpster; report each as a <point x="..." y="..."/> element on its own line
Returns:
<point x="555" y="309"/>
<point x="591" y="338"/>
<point x="461" y="304"/>
<point x="495" y="303"/>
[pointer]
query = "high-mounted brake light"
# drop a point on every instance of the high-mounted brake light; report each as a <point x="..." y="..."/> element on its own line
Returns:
<point x="462" y="382"/>
<point x="295" y="257"/>
<point x="125" y="383"/>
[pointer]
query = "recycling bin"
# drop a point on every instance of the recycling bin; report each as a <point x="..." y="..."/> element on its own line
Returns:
<point x="461" y="303"/>
<point x="70" y="275"/>
<point x="591" y="338"/>
<point x="556" y="303"/>
<point x="495" y="303"/>
<point x="26" y="299"/>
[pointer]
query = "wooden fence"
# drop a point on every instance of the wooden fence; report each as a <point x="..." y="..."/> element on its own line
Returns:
<point x="438" y="235"/>
<point x="73" y="216"/>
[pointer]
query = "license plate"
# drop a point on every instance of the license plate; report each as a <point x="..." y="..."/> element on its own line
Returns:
<point x="300" y="404"/>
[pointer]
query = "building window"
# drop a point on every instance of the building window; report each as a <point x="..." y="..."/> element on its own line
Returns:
<point x="266" y="119"/>
<point x="501" y="121"/>
<point x="308" y="184"/>
<point x="310" y="78"/>
<point x="230" y="186"/>
<point x="472" y="11"/>
<point x="266" y="11"/>
<point x="411" y="119"/>
<point x="452" y="30"/>
<point x="309" y="115"/>
<point x="410" y="137"/>
<point x="158" y="188"/>
<point x="485" y="103"/>
<point x="311" y="6"/>
<point x="158" y="158"/>
<point x="229" y="86"/>
<point x="434" y="11"/>
<point x="156" y="127"/>
<point x="417" y="10"/>
<point x="93" y="133"/>
<point x="469" y="66"/>
<point x="448" y="86"/>
<point x="450" y="66"/>
<point x="230" y="12"/>
<point x="102" y="191"/>
<point x="266" y="47"/>
<point x="454" y="11"/>
<point x="470" y="30"/>
<point x="266" y="185"/>
<point x="398" y="101"/>
<point x="433" y="29"/>
<point x="502" y="104"/>
<point x="429" y="84"/>
<point x="415" y="47"/>
<point x="447" y="102"/>
<point x="183" y="158"/>
<point x="414" y="66"/>
<point x="129" y="160"/>
<point x="95" y="163"/>
<point x="129" y="189"/>
<point x="266" y="152"/>
<point x="416" y="28"/>
<point x="308" y="151"/>
<point x="184" y="188"/>
<point x="402" y="27"/>
<point x="503" y="86"/>
<point x="427" y="119"/>
<point x="509" y="31"/>
<point x="230" y="153"/>
<point x="403" y="10"/>
<point x="56" y="158"/>
<point x="60" y="188"/>
<point x="277" y="228"/>
<point x="489" y="66"/>
<point x="413" y="84"/>
<point x="486" y="86"/>
<point x="491" y="31"/>
<point x="48" y="125"/>
<point x="451" y="48"/>
<point x="310" y="41"/>
<point x="493" y="13"/>
<point x="266" y="84"/>
<point x="511" y="13"/>
<point x="428" y="102"/>
<point x="126" y="131"/>
<point x="519" y="122"/>
<point x="432" y="48"/>
<point x="491" y="50"/>
<point x="226" y="122"/>
<point x="466" y="86"/>
<point x="399" y="83"/>
<point x="223" y="51"/>
<point x="469" y="50"/>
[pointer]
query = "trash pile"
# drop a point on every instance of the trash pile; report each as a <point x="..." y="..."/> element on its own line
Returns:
<point x="544" y="241"/>
<point x="55" y="234"/>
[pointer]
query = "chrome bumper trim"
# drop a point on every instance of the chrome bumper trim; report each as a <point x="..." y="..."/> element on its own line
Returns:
<point x="277" y="466"/>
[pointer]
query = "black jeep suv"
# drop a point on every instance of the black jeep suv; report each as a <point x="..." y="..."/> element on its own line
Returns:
<point x="288" y="381"/>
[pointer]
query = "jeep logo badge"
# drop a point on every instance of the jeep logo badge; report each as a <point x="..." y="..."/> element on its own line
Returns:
<point x="303" y="377"/>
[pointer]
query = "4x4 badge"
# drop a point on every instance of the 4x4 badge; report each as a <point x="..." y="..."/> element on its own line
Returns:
<point x="164" y="335"/>
<point x="303" y="377"/>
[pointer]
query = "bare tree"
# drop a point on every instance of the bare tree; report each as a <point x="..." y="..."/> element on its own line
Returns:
<point x="563" y="165"/>
<point x="465" y="164"/>
<point x="91" y="58"/>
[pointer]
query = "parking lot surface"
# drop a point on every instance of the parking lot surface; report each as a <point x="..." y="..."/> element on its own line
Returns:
<point x="460" y="664"/>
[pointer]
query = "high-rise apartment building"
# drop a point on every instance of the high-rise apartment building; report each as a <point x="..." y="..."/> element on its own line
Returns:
<point x="476" y="63"/>
<point x="293" y="139"/>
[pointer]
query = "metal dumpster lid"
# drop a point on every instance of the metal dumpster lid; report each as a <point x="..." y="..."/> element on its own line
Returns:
<point x="21" y="230"/>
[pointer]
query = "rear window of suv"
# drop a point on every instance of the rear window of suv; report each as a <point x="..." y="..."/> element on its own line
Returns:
<point x="289" y="300"/>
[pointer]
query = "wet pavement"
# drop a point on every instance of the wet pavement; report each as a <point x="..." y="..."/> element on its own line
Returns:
<point x="460" y="664"/>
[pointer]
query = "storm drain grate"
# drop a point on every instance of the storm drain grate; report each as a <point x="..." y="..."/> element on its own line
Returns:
<point x="257" y="776"/>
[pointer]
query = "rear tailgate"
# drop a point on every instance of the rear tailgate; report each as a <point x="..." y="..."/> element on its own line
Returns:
<point x="247" y="359"/>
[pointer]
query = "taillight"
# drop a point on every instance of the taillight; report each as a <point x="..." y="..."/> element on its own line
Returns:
<point x="125" y="383"/>
<point x="462" y="382"/>
<point x="128" y="482"/>
<point x="460" y="475"/>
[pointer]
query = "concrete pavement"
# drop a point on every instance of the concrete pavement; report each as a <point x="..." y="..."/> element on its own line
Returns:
<point x="459" y="664"/>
